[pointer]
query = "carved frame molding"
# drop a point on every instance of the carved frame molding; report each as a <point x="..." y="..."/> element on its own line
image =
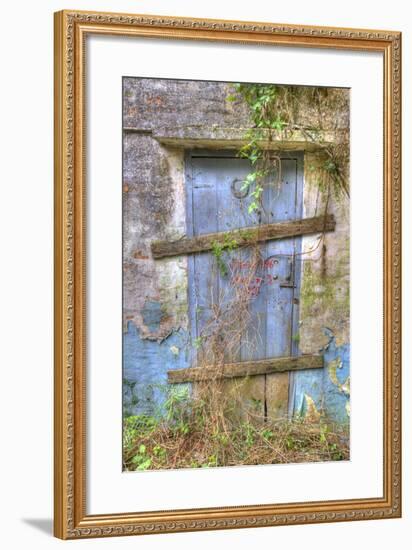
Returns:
<point x="71" y="520"/>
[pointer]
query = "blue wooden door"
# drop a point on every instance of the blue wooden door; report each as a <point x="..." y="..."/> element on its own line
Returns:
<point x="216" y="202"/>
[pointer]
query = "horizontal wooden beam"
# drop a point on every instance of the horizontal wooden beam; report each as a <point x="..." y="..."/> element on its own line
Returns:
<point x="245" y="368"/>
<point x="243" y="237"/>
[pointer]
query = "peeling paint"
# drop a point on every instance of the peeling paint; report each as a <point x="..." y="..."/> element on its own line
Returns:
<point x="153" y="208"/>
<point x="311" y="412"/>
<point x="145" y="366"/>
<point x="325" y="391"/>
<point x="152" y="315"/>
<point x="332" y="368"/>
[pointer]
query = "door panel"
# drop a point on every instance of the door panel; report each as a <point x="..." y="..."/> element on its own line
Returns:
<point x="216" y="203"/>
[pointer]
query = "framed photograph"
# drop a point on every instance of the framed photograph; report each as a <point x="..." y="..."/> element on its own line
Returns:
<point x="227" y="274"/>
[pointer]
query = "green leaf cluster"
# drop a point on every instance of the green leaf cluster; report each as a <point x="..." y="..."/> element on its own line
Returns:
<point x="273" y="109"/>
<point x="228" y="244"/>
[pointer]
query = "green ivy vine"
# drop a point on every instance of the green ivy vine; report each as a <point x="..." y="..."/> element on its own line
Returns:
<point x="275" y="109"/>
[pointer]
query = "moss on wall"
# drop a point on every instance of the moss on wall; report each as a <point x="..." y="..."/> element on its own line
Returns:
<point x="326" y="291"/>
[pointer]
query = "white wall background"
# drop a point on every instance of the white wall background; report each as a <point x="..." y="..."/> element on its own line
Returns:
<point x="26" y="272"/>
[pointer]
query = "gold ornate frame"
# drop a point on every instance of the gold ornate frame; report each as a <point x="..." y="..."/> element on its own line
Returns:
<point x="71" y="520"/>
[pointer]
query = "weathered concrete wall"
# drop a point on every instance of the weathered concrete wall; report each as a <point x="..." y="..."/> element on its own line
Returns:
<point x="325" y="304"/>
<point x="153" y="208"/>
<point x="161" y="118"/>
<point x="154" y="193"/>
<point x="156" y="103"/>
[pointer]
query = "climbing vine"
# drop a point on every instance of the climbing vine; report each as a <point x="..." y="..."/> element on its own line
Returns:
<point x="277" y="111"/>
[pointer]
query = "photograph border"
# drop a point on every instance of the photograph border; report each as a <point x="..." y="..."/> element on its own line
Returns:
<point x="70" y="517"/>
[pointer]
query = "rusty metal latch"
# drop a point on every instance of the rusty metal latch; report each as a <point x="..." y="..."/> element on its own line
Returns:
<point x="290" y="278"/>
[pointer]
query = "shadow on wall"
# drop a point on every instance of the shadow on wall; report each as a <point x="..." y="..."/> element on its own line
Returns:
<point x="41" y="524"/>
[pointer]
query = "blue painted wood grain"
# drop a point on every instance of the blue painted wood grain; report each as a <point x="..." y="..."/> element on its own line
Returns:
<point x="213" y="208"/>
<point x="283" y="206"/>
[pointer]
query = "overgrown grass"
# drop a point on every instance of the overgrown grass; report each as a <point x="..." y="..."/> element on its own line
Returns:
<point x="188" y="436"/>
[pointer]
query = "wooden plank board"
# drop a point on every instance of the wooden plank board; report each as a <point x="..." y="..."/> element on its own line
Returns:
<point x="246" y="368"/>
<point x="243" y="237"/>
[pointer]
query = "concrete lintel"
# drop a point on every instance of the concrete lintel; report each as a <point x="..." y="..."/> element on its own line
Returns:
<point x="192" y="137"/>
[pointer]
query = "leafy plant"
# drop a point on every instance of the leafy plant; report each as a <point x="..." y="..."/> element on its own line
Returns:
<point x="275" y="109"/>
<point x="267" y="434"/>
<point x="141" y="460"/>
<point x="177" y="407"/>
<point x="197" y="342"/>
<point x="228" y="244"/>
<point x="159" y="452"/>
